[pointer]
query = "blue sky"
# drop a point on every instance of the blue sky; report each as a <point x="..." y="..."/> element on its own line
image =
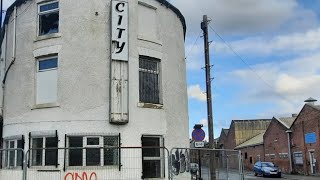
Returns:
<point x="279" y="40"/>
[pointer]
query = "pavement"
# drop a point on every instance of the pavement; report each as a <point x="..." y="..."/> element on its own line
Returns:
<point x="249" y="176"/>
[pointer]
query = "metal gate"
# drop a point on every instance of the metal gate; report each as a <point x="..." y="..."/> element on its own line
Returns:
<point x="189" y="163"/>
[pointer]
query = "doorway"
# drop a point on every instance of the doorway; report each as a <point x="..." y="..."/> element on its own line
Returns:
<point x="312" y="162"/>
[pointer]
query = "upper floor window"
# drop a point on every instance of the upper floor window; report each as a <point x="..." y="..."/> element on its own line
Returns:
<point x="48" y="18"/>
<point x="149" y="80"/>
<point x="47" y="77"/>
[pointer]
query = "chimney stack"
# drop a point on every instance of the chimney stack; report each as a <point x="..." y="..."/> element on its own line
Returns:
<point x="310" y="101"/>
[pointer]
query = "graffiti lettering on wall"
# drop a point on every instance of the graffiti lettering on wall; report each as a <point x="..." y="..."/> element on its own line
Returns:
<point x="79" y="176"/>
<point x="180" y="161"/>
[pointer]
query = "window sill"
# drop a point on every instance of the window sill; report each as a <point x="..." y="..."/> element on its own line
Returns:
<point x="47" y="105"/>
<point x="150" y="105"/>
<point x="47" y="36"/>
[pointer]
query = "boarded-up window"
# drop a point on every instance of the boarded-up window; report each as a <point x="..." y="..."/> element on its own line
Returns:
<point x="149" y="80"/>
<point x="47" y="74"/>
<point x="147" y="21"/>
<point x="48" y="18"/>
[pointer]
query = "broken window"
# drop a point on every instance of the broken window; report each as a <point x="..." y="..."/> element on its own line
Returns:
<point x="48" y="18"/>
<point x="149" y="80"/>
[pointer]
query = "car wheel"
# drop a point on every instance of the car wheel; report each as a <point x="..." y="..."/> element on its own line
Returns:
<point x="263" y="175"/>
<point x="255" y="174"/>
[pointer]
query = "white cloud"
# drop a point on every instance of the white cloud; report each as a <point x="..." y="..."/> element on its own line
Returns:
<point x="245" y="16"/>
<point x="286" y="84"/>
<point x="195" y="92"/>
<point x="293" y="43"/>
<point x="204" y="122"/>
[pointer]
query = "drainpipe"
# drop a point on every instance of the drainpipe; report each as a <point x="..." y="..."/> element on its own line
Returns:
<point x="289" y="149"/>
<point x="13" y="58"/>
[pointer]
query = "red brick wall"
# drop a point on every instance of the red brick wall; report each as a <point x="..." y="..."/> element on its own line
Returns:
<point x="252" y="152"/>
<point x="222" y="140"/>
<point x="230" y="142"/>
<point x="307" y="121"/>
<point x="276" y="142"/>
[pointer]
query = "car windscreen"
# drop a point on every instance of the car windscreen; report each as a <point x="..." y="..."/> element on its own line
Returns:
<point x="267" y="164"/>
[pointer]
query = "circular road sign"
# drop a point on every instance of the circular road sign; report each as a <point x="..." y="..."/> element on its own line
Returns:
<point x="198" y="135"/>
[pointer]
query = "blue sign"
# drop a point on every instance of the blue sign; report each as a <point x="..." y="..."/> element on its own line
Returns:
<point x="311" y="138"/>
<point x="198" y="135"/>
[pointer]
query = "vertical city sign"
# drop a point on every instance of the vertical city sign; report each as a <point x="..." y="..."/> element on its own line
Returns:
<point x="119" y="45"/>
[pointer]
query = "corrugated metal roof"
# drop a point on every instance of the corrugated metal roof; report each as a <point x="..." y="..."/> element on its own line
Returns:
<point x="287" y="121"/>
<point x="257" y="140"/>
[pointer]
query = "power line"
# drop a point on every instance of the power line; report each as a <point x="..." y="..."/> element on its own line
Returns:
<point x="195" y="42"/>
<point x="249" y="66"/>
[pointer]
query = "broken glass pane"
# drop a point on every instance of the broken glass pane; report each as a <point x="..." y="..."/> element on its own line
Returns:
<point x="49" y="23"/>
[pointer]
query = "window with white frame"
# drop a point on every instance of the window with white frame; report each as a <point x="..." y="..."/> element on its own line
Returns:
<point x="93" y="150"/>
<point x="13" y="158"/>
<point x="283" y="155"/>
<point x="149" y="80"/>
<point x="298" y="158"/>
<point x="43" y="152"/>
<point x="272" y="156"/>
<point x="48" y="15"/>
<point x="47" y="79"/>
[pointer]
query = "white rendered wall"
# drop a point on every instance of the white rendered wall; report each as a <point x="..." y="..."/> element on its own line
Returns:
<point x="83" y="47"/>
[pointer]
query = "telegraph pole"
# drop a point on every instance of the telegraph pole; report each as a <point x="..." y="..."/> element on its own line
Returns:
<point x="204" y="27"/>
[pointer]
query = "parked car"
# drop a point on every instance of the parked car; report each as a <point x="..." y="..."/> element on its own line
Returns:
<point x="266" y="169"/>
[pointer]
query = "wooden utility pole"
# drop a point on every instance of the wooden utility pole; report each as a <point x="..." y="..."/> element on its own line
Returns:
<point x="204" y="27"/>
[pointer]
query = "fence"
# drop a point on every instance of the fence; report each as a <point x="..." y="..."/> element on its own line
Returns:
<point x="188" y="163"/>
<point x="118" y="163"/>
<point x="11" y="163"/>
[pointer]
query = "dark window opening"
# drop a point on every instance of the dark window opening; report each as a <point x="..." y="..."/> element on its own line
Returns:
<point x="151" y="158"/>
<point x="49" y="18"/>
<point x="245" y="155"/>
<point x="111" y="155"/>
<point x="75" y="155"/>
<point x="250" y="160"/>
<point x="149" y="80"/>
<point x="37" y="145"/>
<point x="51" y="154"/>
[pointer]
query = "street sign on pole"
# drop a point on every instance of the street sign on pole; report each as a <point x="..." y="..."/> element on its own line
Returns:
<point x="198" y="135"/>
<point x="199" y="144"/>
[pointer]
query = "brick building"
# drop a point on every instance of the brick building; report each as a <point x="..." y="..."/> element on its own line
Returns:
<point x="305" y="145"/>
<point x="276" y="142"/>
<point x="241" y="131"/>
<point x="252" y="151"/>
<point x="222" y="138"/>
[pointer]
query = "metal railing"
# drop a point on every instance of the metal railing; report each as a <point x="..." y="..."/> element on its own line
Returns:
<point x="194" y="163"/>
<point x="92" y="163"/>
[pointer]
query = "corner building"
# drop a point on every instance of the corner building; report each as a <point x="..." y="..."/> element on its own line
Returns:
<point x="92" y="74"/>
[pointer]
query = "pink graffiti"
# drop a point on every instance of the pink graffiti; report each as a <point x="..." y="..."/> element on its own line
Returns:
<point x="77" y="176"/>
